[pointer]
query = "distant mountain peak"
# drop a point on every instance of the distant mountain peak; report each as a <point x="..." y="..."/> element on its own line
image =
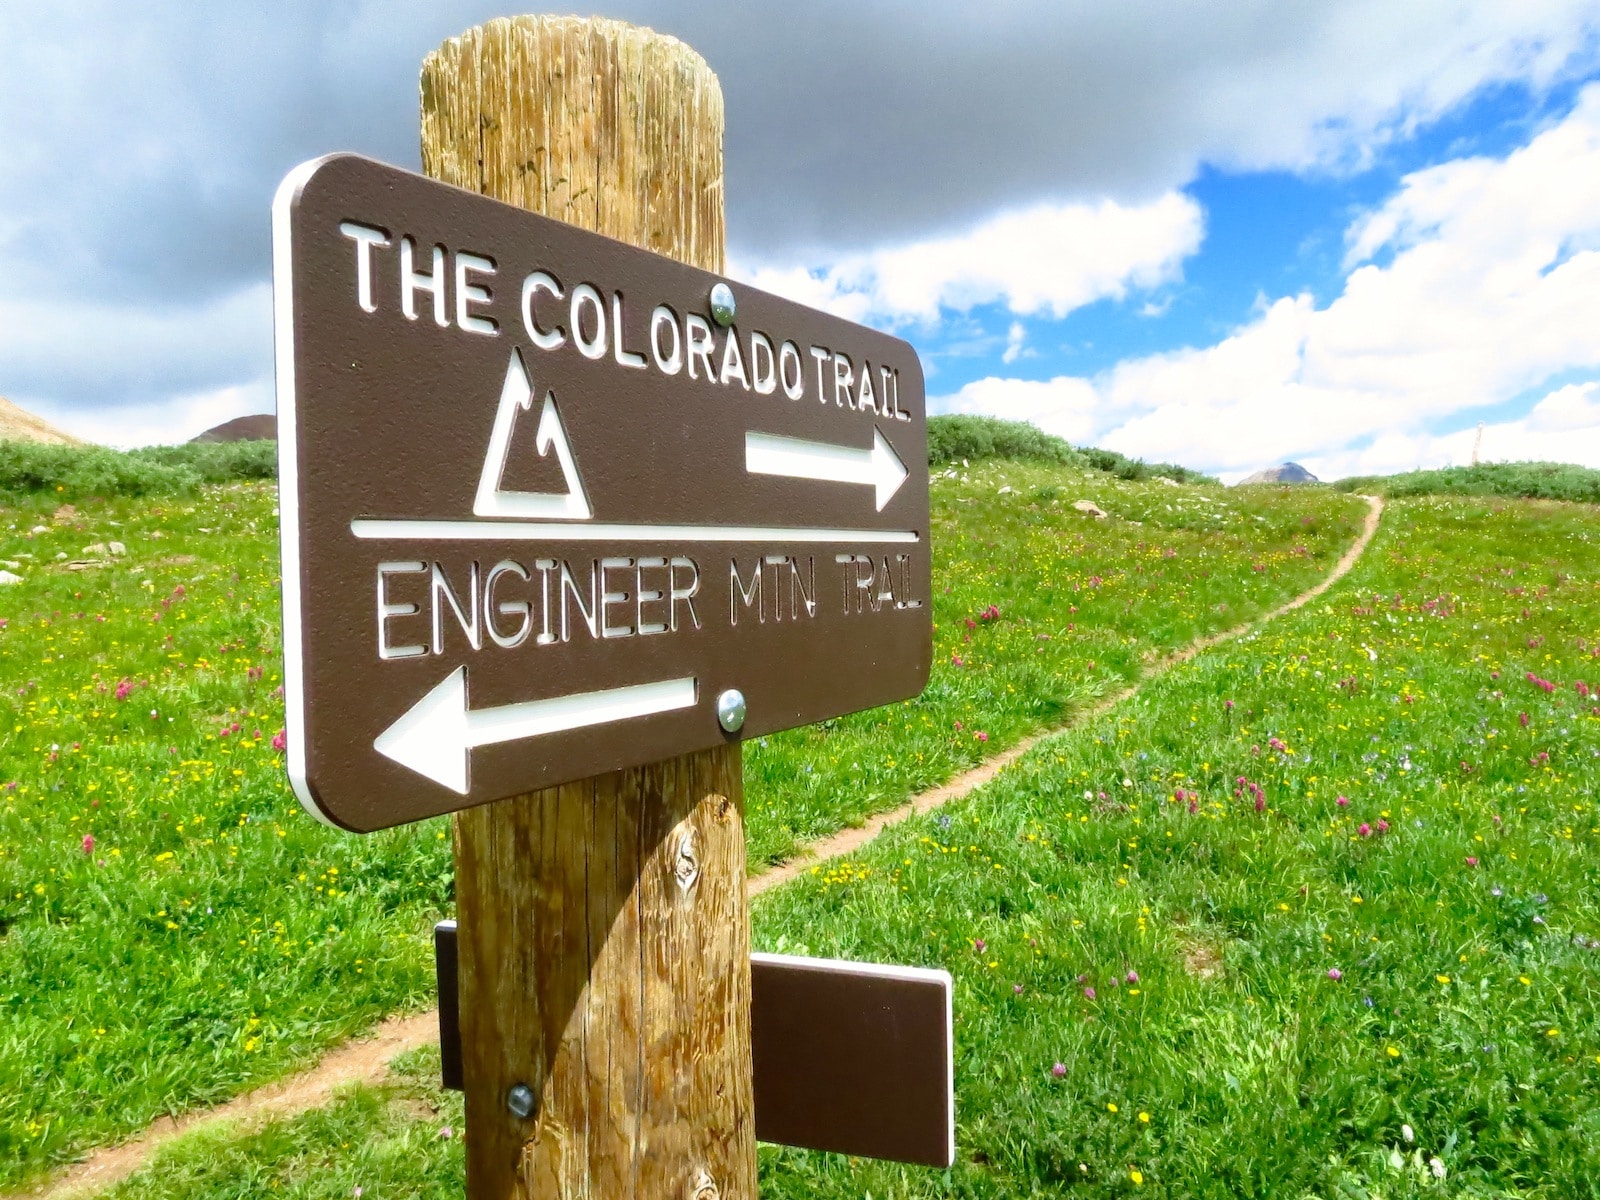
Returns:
<point x="242" y="429"/>
<point x="1289" y="472"/>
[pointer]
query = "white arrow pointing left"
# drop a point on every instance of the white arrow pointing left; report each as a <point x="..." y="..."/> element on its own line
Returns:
<point x="436" y="735"/>
<point x="880" y="467"/>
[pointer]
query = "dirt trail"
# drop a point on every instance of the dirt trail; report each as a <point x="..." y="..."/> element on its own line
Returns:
<point x="366" y="1059"/>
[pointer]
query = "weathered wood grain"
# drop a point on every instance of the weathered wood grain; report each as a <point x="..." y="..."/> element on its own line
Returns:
<point x="604" y="938"/>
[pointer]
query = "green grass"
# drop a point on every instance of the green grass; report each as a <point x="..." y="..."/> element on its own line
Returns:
<point x="1165" y="989"/>
<point x="401" y="1138"/>
<point x="1528" y="480"/>
<point x="1455" y="895"/>
<point x="173" y="929"/>
<point x="1078" y="607"/>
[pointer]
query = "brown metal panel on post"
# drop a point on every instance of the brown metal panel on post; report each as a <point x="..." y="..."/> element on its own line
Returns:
<point x="603" y="930"/>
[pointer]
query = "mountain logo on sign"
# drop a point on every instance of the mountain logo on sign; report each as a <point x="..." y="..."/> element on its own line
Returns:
<point x="516" y="396"/>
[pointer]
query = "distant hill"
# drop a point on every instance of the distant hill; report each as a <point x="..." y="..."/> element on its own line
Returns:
<point x="20" y="425"/>
<point x="1289" y="472"/>
<point x="256" y="427"/>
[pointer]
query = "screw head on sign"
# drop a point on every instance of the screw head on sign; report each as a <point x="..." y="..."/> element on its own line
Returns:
<point x="730" y="710"/>
<point x="722" y="305"/>
<point x="520" y="1100"/>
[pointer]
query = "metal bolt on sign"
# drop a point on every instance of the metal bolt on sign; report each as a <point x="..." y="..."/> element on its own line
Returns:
<point x="722" y="305"/>
<point x="730" y="710"/>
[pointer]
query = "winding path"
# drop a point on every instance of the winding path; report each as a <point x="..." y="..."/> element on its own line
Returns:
<point x="366" y="1059"/>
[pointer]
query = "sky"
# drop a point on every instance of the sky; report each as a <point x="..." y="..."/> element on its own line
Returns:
<point x="1344" y="234"/>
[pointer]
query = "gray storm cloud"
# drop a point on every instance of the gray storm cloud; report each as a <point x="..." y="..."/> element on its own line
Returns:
<point x="143" y="142"/>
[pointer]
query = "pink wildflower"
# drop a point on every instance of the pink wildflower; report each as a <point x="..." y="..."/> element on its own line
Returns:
<point x="88" y="843"/>
<point x="1059" y="1070"/>
<point x="1471" y="861"/>
<point x="1365" y="830"/>
<point x="1335" y="974"/>
<point x="1088" y="993"/>
<point x="279" y="740"/>
<point x="124" y="689"/>
<point x="1342" y="802"/>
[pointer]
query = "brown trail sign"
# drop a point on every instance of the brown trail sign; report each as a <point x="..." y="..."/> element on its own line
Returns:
<point x="542" y="509"/>
<point x="564" y="519"/>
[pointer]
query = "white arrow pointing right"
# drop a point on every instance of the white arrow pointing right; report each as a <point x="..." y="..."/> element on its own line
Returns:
<point x="435" y="736"/>
<point x="769" y="454"/>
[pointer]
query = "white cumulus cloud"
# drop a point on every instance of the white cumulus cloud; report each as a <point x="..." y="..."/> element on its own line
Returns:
<point x="1476" y="282"/>
<point x="1046" y="259"/>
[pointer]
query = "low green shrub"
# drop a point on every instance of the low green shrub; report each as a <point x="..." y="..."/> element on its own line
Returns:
<point x="959" y="436"/>
<point x="219" y="462"/>
<point x="1124" y="467"/>
<point x="1530" y="480"/>
<point x="76" y="472"/>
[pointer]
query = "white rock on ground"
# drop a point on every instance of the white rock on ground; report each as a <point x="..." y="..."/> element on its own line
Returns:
<point x="117" y="549"/>
<point x="6" y="577"/>
<point x="1089" y="507"/>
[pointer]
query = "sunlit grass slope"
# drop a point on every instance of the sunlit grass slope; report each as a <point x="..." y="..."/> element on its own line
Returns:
<point x="174" y="929"/>
<point x="1317" y="915"/>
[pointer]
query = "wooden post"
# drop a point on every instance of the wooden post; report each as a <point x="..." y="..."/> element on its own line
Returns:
<point x="604" y="938"/>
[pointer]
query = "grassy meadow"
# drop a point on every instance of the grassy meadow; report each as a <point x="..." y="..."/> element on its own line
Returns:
<point x="174" y="930"/>
<point x="1316" y="915"/>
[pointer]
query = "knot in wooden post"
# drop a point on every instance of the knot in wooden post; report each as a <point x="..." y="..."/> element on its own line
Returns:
<point x="703" y="1187"/>
<point x="685" y="862"/>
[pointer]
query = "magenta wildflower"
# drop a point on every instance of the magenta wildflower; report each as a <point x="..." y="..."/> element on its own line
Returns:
<point x="1335" y="974"/>
<point x="1016" y="989"/>
<point x="279" y="740"/>
<point x="1059" y="1070"/>
<point x="1088" y="993"/>
<point x="979" y="945"/>
<point x="1342" y="802"/>
<point x="124" y="689"/>
<point x="1383" y="826"/>
<point x="1471" y="861"/>
<point x="1132" y="977"/>
<point x="1365" y="830"/>
<point x="981" y="736"/>
<point x="88" y="843"/>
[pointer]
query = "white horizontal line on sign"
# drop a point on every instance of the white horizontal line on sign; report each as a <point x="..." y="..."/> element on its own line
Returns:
<point x="582" y="531"/>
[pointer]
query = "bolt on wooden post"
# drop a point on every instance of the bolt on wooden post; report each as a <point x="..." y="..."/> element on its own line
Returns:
<point x="604" y="937"/>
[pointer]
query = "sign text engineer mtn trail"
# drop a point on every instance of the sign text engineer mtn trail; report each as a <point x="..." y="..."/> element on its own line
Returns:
<point x="541" y="509"/>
